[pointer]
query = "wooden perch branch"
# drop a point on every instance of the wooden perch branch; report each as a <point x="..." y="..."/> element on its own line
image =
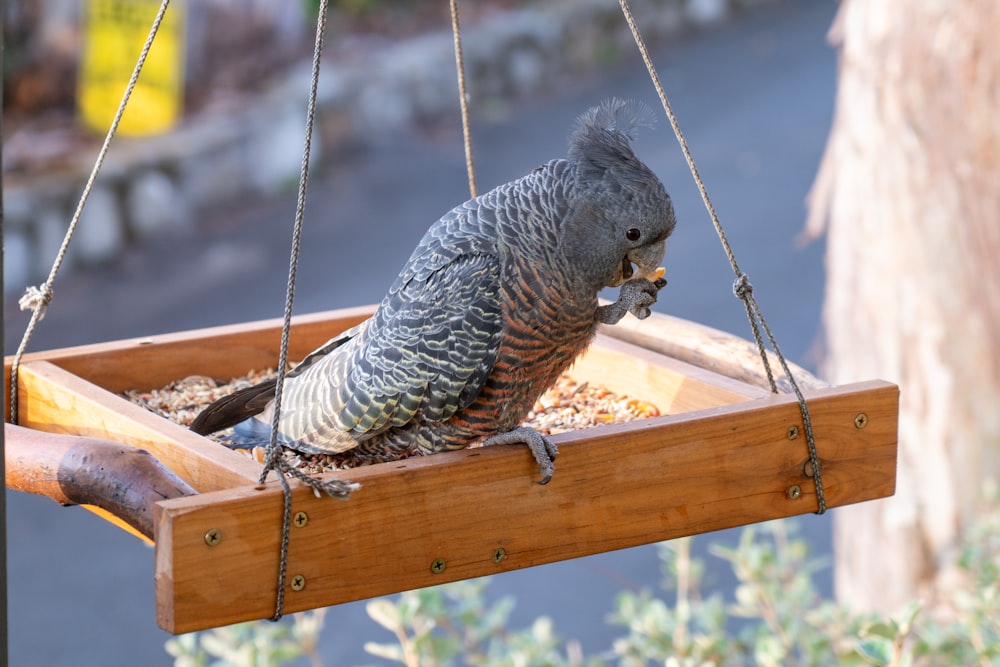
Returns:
<point x="73" y="470"/>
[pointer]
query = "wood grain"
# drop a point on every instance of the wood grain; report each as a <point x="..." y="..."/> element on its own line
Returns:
<point x="711" y="349"/>
<point x="123" y="481"/>
<point x="228" y="351"/>
<point x="614" y="487"/>
<point x="56" y="401"/>
<point x="673" y="385"/>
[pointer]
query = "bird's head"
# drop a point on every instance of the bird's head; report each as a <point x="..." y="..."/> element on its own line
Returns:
<point x="621" y="214"/>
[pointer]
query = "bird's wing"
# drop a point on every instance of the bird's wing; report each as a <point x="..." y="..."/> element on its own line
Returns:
<point x="428" y="349"/>
<point x="243" y="403"/>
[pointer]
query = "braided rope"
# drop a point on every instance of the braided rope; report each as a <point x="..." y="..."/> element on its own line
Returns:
<point x="463" y="98"/>
<point x="334" y="488"/>
<point x="741" y="287"/>
<point x="37" y="299"/>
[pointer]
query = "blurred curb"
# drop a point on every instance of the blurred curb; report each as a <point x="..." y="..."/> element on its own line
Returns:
<point x="151" y="185"/>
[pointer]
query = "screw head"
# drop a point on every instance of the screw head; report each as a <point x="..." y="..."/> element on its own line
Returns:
<point x="793" y="432"/>
<point x="297" y="583"/>
<point x="213" y="537"/>
<point x="438" y="565"/>
<point x="794" y="492"/>
<point x="861" y="420"/>
<point x="300" y="519"/>
<point x="499" y="554"/>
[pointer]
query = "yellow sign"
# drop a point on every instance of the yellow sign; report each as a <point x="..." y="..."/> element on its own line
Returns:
<point x="114" y="32"/>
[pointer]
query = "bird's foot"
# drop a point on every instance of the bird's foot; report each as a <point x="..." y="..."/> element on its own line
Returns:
<point x="543" y="449"/>
<point x="636" y="296"/>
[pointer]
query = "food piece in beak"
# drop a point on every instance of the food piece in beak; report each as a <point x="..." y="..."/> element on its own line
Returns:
<point x="646" y="258"/>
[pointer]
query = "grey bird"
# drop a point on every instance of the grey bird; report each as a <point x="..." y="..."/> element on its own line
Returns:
<point x="496" y="301"/>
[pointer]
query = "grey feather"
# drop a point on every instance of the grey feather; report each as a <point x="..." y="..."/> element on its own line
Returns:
<point x="613" y="114"/>
<point x="601" y="141"/>
<point x="495" y="302"/>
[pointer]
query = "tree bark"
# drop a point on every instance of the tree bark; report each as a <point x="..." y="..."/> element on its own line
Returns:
<point x="72" y="470"/>
<point x="909" y="195"/>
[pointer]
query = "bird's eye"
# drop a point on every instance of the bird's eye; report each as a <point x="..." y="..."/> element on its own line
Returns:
<point x="633" y="234"/>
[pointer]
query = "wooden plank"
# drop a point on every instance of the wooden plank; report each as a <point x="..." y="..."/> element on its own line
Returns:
<point x="229" y="351"/>
<point x="708" y="348"/>
<point x="117" y="521"/>
<point x="61" y="402"/>
<point x="614" y="487"/>
<point x="673" y="386"/>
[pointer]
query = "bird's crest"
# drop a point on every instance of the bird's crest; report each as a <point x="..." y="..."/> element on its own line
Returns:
<point x="616" y="115"/>
<point x="603" y="134"/>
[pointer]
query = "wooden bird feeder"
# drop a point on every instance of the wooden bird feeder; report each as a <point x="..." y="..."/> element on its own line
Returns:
<point x="728" y="453"/>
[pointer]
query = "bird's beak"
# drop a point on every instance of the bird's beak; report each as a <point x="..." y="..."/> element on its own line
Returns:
<point x="646" y="260"/>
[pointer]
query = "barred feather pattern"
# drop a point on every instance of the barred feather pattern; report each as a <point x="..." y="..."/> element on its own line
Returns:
<point x="471" y="333"/>
<point x="496" y="301"/>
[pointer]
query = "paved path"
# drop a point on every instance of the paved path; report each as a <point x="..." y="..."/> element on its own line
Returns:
<point x="754" y="98"/>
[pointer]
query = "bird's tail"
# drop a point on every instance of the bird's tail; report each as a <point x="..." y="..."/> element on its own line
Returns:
<point x="235" y="408"/>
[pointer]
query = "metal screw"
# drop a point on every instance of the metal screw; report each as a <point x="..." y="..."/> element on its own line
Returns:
<point x="793" y="432"/>
<point x="499" y="554"/>
<point x="213" y="537"/>
<point x="298" y="582"/>
<point x="861" y="420"/>
<point x="438" y="565"/>
<point x="301" y="519"/>
<point x="794" y="492"/>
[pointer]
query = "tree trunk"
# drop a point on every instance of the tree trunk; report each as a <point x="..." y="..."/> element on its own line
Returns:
<point x="909" y="195"/>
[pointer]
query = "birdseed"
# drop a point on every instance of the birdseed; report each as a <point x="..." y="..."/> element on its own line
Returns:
<point x="567" y="405"/>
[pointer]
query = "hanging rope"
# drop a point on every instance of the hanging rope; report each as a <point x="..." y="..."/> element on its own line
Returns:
<point x="38" y="298"/>
<point x="334" y="488"/>
<point x="274" y="460"/>
<point x="741" y="286"/>
<point x="463" y="98"/>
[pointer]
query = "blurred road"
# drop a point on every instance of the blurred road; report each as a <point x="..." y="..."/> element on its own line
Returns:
<point x="755" y="100"/>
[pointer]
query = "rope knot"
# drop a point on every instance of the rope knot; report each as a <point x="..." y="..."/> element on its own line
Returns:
<point x="742" y="287"/>
<point x="36" y="298"/>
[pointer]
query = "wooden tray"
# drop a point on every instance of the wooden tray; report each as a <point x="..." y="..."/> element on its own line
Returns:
<point x="727" y="454"/>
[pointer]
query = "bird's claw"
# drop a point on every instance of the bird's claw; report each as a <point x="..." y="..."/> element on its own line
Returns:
<point x="543" y="449"/>
<point x="636" y="296"/>
<point x="639" y="294"/>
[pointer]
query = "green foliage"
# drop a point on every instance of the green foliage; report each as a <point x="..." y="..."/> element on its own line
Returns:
<point x="435" y="627"/>
<point x="691" y="632"/>
<point x="776" y="618"/>
<point x="256" y="644"/>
